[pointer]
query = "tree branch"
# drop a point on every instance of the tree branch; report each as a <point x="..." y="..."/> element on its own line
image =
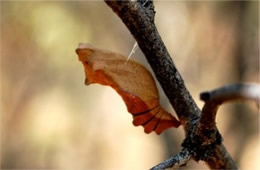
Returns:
<point x="140" y="21"/>
<point x="232" y="92"/>
<point x="206" y="134"/>
<point x="213" y="99"/>
<point x="176" y="161"/>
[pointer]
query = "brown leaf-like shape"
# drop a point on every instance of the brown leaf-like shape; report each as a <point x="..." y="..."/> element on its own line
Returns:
<point x="133" y="83"/>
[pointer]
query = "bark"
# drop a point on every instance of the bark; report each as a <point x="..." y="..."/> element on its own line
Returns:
<point x="177" y="161"/>
<point x="139" y="19"/>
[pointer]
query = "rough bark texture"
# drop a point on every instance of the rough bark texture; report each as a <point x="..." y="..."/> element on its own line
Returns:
<point x="139" y="19"/>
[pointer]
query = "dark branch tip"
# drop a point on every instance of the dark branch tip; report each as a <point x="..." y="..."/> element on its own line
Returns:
<point x="205" y="96"/>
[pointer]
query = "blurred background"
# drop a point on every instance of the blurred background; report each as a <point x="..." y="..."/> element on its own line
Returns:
<point x="50" y="119"/>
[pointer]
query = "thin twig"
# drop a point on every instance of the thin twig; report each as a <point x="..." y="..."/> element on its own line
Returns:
<point x="177" y="161"/>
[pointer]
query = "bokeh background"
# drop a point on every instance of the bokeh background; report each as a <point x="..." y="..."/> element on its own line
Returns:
<point x="51" y="120"/>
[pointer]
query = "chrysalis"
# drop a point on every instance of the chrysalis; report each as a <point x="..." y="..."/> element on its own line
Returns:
<point x="132" y="81"/>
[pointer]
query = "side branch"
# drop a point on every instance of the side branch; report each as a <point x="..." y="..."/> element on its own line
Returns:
<point x="176" y="161"/>
<point x="207" y="132"/>
<point x="213" y="99"/>
<point x="232" y="92"/>
<point x="140" y="21"/>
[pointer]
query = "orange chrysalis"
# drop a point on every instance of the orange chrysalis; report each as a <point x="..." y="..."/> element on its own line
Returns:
<point x="132" y="81"/>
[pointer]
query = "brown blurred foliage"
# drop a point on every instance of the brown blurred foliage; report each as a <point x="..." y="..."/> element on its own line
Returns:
<point x="50" y="119"/>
